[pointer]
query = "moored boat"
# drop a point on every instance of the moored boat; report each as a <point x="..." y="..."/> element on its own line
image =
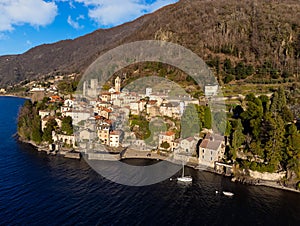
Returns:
<point x="184" y="178"/>
<point x="227" y="193"/>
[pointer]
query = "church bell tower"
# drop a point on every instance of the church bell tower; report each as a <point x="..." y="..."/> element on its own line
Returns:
<point x="118" y="84"/>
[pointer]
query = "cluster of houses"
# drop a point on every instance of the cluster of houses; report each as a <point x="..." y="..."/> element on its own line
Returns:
<point x="103" y="117"/>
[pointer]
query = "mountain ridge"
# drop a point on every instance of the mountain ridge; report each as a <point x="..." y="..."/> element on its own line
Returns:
<point x="252" y="32"/>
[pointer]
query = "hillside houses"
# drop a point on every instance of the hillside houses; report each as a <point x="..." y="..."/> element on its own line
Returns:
<point x="105" y="120"/>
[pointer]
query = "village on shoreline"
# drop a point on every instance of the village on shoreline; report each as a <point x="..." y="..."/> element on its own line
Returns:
<point x="107" y="125"/>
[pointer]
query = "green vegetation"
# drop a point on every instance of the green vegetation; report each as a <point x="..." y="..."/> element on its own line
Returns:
<point x="140" y="125"/>
<point x="67" y="86"/>
<point x="50" y="126"/>
<point x="265" y="131"/>
<point x="190" y="123"/>
<point x="66" y="125"/>
<point x="165" y="145"/>
<point x="29" y="122"/>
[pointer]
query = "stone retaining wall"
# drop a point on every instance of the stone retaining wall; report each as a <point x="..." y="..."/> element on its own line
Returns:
<point x="267" y="176"/>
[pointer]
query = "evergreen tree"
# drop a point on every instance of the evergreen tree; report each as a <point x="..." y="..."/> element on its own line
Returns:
<point x="274" y="102"/>
<point x="228" y="128"/>
<point x="25" y="118"/>
<point x="281" y="98"/>
<point x="275" y="143"/>
<point x="36" y="134"/>
<point x="50" y="126"/>
<point x="250" y="97"/>
<point x="207" y="118"/>
<point x="238" y="138"/>
<point x="220" y="122"/>
<point x="190" y="123"/>
<point x="66" y="125"/>
<point x="286" y="114"/>
<point x="265" y="102"/>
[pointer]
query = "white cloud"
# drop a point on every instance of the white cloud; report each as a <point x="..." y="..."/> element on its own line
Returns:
<point x="34" y="12"/>
<point x="80" y="17"/>
<point x="75" y="24"/>
<point x="3" y="36"/>
<point x="115" y="12"/>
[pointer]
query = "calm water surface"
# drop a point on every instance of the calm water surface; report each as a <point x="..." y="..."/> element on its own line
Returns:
<point x="36" y="189"/>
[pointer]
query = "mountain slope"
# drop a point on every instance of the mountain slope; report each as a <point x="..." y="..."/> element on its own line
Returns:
<point x="253" y="32"/>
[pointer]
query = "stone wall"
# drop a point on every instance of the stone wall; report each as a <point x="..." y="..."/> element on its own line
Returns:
<point x="267" y="176"/>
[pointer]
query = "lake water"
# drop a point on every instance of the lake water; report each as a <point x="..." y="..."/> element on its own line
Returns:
<point x="37" y="189"/>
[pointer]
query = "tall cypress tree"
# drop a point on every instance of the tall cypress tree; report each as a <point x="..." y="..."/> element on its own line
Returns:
<point x="238" y="137"/>
<point x="36" y="134"/>
<point x="207" y="118"/>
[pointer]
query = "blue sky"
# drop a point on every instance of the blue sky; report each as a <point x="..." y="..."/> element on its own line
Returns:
<point x="28" y="23"/>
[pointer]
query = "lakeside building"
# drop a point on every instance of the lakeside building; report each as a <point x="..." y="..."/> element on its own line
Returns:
<point x="114" y="138"/>
<point x="64" y="139"/>
<point x="211" y="150"/>
<point x="166" y="137"/>
<point x="211" y="90"/>
<point x="103" y="129"/>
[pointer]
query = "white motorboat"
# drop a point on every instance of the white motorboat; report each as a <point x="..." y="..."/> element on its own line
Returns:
<point x="227" y="193"/>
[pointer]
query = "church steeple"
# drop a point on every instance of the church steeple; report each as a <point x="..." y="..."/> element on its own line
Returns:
<point x="118" y="84"/>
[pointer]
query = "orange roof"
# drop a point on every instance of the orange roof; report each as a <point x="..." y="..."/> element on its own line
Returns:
<point x="55" y="97"/>
<point x="169" y="133"/>
<point x="114" y="133"/>
<point x="97" y="117"/>
<point x="152" y="102"/>
<point x="107" y="110"/>
<point x="108" y="121"/>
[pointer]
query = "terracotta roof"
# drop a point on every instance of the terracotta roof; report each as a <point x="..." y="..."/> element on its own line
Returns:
<point x="114" y="133"/>
<point x="169" y="133"/>
<point x="152" y="102"/>
<point x="107" y="110"/>
<point x="98" y="117"/>
<point x="55" y="97"/>
<point x="108" y="121"/>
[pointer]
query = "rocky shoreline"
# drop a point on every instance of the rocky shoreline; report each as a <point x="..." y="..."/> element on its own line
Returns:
<point x="258" y="182"/>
